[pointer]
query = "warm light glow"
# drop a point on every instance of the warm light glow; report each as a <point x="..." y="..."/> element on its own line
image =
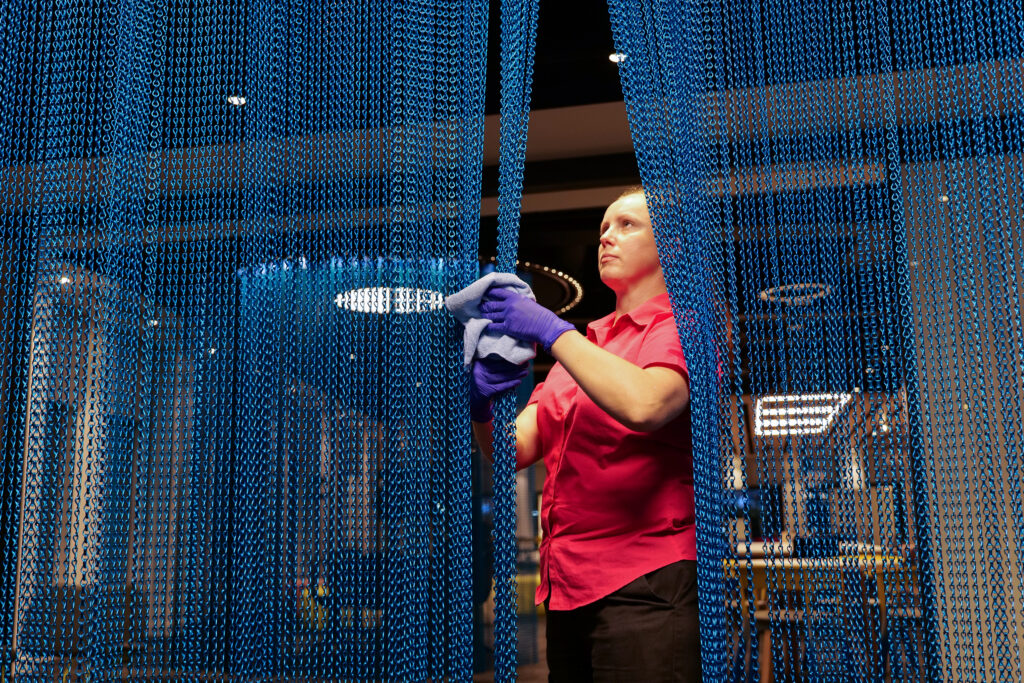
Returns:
<point x="574" y="286"/>
<point x="797" y="414"/>
<point x="390" y="300"/>
<point x="617" y="57"/>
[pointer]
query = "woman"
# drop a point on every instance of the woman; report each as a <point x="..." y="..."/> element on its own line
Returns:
<point x="618" y="559"/>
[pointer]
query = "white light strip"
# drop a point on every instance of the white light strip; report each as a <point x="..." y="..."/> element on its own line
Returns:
<point x="796" y="410"/>
<point x="801" y="398"/>
<point x="796" y="414"/>
<point x="390" y="300"/>
<point x="794" y="421"/>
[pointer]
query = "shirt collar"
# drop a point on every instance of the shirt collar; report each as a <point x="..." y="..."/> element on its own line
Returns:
<point x="642" y="315"/>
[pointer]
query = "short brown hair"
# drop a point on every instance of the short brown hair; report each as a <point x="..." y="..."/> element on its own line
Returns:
<point x="631" y="190"/>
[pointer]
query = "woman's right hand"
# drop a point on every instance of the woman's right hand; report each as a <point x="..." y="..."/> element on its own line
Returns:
<point x="513" y="314"/>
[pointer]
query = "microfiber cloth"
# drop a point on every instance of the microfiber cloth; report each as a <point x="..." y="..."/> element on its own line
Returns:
<point x="465" y="306"/>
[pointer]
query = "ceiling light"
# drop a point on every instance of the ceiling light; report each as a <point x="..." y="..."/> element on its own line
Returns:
<point x="571" y="290"/>
<point x="617" y="57"/>
<point x="797" y="414"/>
<point x="390" y="300"/>
<point x="236" y="100"/>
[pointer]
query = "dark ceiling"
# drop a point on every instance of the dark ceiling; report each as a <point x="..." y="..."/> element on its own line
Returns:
<point x="571" y="66"/>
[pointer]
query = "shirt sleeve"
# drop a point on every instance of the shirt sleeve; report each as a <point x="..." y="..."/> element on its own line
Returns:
<point x="661" y="348"/>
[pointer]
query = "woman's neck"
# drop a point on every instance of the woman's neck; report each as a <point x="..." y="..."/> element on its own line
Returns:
<point x="638" y="294"/>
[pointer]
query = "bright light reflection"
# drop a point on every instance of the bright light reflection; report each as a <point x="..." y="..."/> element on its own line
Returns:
<point x="796" y="414"/>
<point x="390" y="300"/>
<point x="617" y="57"/>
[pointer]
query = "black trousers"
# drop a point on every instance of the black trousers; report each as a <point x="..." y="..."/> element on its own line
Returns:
<point x="645" y="632"/>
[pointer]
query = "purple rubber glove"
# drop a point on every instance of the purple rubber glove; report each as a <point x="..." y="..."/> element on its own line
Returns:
<point x="489" y="377"/>
<point x="515" y="315"/>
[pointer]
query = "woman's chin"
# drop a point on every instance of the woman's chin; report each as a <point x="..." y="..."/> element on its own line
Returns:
<point x="609" y="280"/>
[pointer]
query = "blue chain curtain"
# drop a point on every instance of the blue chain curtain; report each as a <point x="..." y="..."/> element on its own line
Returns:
<point x="836" y="193"/>
<point x="234" y="420"/>
<point x="518" y="43"/>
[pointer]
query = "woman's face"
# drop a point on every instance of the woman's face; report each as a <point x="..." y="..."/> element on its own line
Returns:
<point x="628" y="254"/>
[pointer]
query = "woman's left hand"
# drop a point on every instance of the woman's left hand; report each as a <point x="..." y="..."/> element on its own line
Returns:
<point x="517" y="316"/>
<point x="489" y="377"/>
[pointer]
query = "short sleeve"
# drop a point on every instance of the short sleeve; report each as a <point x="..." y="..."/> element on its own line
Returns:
<point x="661" y="348"/>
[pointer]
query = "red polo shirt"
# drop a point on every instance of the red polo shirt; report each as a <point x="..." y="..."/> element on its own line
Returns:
<point x="617" y="503"/>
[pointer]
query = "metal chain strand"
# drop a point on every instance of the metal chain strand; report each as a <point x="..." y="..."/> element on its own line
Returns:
<point x="518" y="40"/>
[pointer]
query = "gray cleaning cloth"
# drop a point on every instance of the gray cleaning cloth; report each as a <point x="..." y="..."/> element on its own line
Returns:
<point x="465" y="306"/>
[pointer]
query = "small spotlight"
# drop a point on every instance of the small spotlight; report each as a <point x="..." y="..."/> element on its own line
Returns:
<point x="212" y="350"/>
<point x="236" y="100"/>
<point x="943" y="198"/>
<point x="617" y="57"/>
<point x="153" y="322"/>
<point x="65" y="280"/>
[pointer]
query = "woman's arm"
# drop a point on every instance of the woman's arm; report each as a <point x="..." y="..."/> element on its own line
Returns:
<point x="642" y="399"/>
<point x="527" y="437"/>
